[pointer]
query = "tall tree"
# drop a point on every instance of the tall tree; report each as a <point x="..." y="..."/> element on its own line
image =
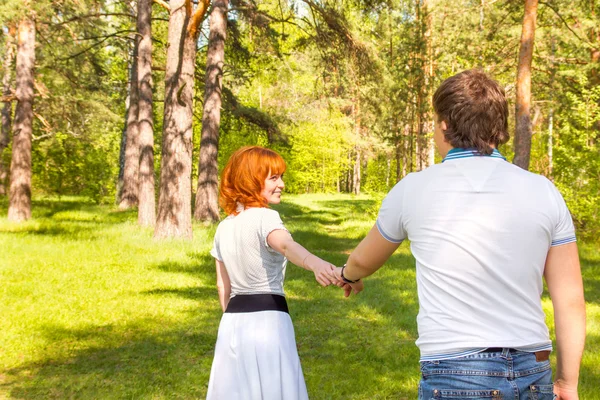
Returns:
<point x="130" y="189"/>
<point x="147" y="203"/>
<point x="175" y="197"/>
<point x="19" y="208"/>
<point x="523" y="129"/>
<point x="7" y="107"/>
<point x="207" y="207"/>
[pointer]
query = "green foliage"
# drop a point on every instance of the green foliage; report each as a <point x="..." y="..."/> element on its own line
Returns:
<point x="93" y="308"/>
<point x="319" y="82"/>
<point x="577" y="164"/>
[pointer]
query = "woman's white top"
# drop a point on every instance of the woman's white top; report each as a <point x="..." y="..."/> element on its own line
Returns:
<point x="241" y="244"/>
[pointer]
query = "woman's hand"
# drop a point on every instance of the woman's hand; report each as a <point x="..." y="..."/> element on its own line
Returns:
<point x="323" y="272"/>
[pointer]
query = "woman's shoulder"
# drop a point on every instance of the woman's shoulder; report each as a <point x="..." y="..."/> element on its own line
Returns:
<point x="262" y="211"/>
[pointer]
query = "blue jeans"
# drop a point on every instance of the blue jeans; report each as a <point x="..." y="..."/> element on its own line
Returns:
<point x="505" y="375"/>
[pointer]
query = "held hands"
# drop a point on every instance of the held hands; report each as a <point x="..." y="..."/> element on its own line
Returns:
<point x="327" y="274"/>
<point x="348" y="287"/>
<point x="324" y="273"/>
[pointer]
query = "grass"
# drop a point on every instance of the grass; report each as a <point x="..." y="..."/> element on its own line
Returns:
<point x="92" y="308"/>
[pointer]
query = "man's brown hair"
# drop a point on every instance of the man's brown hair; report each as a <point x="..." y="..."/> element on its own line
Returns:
<point x="475" y="109"/>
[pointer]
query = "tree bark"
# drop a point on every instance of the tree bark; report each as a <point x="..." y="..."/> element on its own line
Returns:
<point x="130" y="189"/>
<point x="122" y="149"/>
<point x="356" y="174"/>
<point x="147" y="202"/>
<point x="550" y="142"/>
<point x="522" y="108"/>
<point x="19" y="208"/>
<point x="424" y="106"/>
<point x="5" y="133"/>
<point x="207" y="205"/>
<point x="174" y="217"/>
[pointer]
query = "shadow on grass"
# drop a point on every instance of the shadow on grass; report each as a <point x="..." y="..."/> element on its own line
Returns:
<point x="590" y="268"/>
<point x="121" y="362"/>
<point x="70" y="219"/>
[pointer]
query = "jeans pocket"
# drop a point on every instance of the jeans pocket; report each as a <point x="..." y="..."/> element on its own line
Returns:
<point x="541" y="392"/>
<point x="441" y="394"/>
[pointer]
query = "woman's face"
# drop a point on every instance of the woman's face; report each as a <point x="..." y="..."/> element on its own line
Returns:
<point x="272" y="188"/>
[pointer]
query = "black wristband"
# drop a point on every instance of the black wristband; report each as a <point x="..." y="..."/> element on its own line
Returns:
<point x="346" y="279"/>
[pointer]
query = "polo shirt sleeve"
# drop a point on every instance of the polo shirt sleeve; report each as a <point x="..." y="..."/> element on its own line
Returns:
<point x="564" y="230"/>
<point x="389" y="221"/>
<point x="215" y="252"/>
<point x="271" y="221"/>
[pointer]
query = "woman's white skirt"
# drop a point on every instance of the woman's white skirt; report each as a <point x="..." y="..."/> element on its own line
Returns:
<point x="256" y="359"/>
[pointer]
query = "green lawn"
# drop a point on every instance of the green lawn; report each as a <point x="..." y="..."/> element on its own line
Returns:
<point x="92" y="308"/>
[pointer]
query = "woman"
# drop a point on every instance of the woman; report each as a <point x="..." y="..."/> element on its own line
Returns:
<point x="256" y="355"/>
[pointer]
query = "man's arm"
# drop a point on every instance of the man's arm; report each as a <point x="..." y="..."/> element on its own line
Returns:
<point x="223" y="285"/>
<point x="563" y="277"/>
<point x="370" y="254"/>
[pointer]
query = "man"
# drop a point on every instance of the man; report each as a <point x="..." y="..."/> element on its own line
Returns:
<point x="483" y="232"/>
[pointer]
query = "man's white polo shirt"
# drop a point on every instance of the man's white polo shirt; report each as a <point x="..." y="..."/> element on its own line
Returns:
<point x="480" y="229"/>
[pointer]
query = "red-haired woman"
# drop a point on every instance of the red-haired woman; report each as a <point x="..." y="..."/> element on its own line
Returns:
<point x="255" y="354"/>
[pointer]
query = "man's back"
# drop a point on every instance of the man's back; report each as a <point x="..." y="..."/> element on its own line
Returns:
<point x="480" y="229"/>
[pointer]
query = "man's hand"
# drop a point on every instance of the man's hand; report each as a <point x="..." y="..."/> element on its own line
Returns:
<point x="564" y="391"/>
<point x="348" y="287"/>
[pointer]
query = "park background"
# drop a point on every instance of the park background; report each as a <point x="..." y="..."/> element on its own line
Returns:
<point x="118" y="116"/>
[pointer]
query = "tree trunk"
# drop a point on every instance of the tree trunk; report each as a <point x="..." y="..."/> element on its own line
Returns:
<point x="5" y="133"/>
<point x="19" y="208"/>
<point x="147" y="202"/>
<point x="349" y="173"/>
<point x="387" y="170"/>
<point x="207" y="195"/>
<point x="424" y="106"/>
<point x="523" y="121"/>
<point x="122" y="150"/>
<point x="356" y="175"/>
<point x="550" y="142"/>
<point x="130" y="189"/>
<point x="175" y="199"/>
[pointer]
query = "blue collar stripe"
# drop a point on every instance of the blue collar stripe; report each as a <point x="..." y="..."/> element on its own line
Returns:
<point x="456" y="153"/>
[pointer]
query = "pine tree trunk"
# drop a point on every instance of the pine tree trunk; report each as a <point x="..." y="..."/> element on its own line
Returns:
<point x="122" y="149"/>
<point x="399" y="159"/>
<point x="356" y="175"/>
<point x="174" y="217"/>
<point x="387" y="170"/>
<point x="522" y="108"/>
<point x="550" y="142"/>
<point x="147" y="202"/>
<point x="129" y="193"/>
<point x="5" y="133"/>
<point x="19" y="208"/>
<point x="207" y="197"/>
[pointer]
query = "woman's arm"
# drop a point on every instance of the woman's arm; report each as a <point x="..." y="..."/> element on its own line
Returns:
<point x="563" y="277"/>
<point x="281" y="241"/>
<point x="223" y="285"/>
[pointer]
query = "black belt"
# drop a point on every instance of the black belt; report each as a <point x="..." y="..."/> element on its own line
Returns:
<point x="542" y="355"/>
<point x="496" y="350"/>
<point x="246" y="303"/>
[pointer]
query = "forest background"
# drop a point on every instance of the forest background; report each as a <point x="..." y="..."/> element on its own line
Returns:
<point x="342" y="89"/>
<point x="121" y="110"/>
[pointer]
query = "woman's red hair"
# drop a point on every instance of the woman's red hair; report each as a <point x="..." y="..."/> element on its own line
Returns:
<point x="244" y="176"/>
